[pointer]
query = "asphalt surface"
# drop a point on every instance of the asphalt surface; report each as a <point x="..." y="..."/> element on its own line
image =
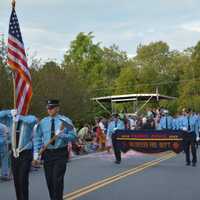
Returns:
<point x="169" y="179"/>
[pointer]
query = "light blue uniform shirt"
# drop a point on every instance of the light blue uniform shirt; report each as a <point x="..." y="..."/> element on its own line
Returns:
<point x="6" y="118"/>
<point x="189" y="123"/>
<point x="198" y="119"/>
<point x="26" y="131"/>
<point x="176" y="123"/>
<point x="43" y="133"/>
<point x="166" y="122"/>
<point x="3" y="133"/>
<point x="113" y="126"/>
<point x="26" y="128"/>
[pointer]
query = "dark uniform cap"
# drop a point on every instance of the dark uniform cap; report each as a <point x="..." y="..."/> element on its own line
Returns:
<point x="115" y="115"/>
<point x="189" y="110"/>
<point x="52" y="103"/>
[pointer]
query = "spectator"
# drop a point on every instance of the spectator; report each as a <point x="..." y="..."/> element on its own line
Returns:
<point x="84" y="134"/>
<point x="4" y="153"/>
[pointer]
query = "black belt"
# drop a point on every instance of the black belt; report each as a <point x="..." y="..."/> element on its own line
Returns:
<point x="52" y="155"/>
<point x="56" y="150"/>
<point x="191" y="133"/>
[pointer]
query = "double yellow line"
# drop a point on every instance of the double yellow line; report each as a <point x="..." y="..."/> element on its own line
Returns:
<point x="82" y="191"/>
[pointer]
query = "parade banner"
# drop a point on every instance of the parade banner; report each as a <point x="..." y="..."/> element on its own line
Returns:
<point x="148" y="141"/>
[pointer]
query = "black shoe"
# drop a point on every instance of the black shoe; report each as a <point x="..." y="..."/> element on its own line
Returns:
<point x="187" y="164"/>
<point x="5" y="178"/>
<point x="193" y="164"/>
<point x="117" y="162"/>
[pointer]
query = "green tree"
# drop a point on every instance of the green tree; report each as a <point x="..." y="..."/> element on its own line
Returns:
<point x="189" y="88"/>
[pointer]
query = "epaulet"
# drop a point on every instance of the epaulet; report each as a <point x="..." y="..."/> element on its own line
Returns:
<point x="66" y="121"/>
<point x="44" y="119"/>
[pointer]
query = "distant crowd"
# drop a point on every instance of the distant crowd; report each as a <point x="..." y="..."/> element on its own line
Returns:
<point x="96" y="137"/>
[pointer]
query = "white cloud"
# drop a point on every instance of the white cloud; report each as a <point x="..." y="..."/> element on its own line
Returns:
<point x="121" y="25"/>
<point x="46" y="43"/>
<point x="178" y="39"/>
<point x="191" y="26"/>
<point x="152" y="30"/>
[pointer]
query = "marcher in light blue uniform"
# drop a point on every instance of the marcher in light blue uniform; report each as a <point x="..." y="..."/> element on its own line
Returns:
<point x="198" y="122"/>
<point x="43" y="133"/>
<point x="176" y="122"/>
<point x="4" y="152"/>
<point x="166" y="121"/>
<point x="6" y="119"/>
<point x="115" y="124"/>
<point x="56" y="155"/>
<point x="189" y="124"/>
<point x="21" y="151"/>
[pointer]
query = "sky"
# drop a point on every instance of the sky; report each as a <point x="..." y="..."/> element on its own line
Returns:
<point x="49" y="26"/>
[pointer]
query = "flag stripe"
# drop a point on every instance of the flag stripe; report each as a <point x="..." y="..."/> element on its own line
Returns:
<point x="19" y="62"/>
<point x="19" y="43"/>
<point x="27" y="99"/>
<point x="20" y="92"/>
<point x="14" y="49"/>
<point x="18" y="57"/>
<point x="18" y="86"/>
<point x="15" y="66"/>
<point x="22" y="99"/>
<point x="14" y="43"/>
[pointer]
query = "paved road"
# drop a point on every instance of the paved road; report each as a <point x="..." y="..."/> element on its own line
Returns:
<point x="138" y="177"/>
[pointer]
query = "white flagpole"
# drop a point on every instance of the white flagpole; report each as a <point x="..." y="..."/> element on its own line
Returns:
<point x="14" y="98"/>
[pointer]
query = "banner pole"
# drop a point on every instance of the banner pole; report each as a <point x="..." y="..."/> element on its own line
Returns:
<point x="14" y="91"/>
<point x="13" y="74"/>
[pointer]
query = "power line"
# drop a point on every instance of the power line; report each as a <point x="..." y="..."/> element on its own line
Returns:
<point x="150" y="84"/>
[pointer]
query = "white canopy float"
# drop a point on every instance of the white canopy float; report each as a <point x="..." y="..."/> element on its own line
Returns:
<point x="131" y="98"/>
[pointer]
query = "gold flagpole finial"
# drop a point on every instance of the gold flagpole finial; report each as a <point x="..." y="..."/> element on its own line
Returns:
<point x="13" y="4"/>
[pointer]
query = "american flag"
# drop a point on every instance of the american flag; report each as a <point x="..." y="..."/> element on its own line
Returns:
<point x="18" y="62"/>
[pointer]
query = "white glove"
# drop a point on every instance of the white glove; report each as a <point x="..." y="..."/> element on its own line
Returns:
<point x="13" y="112"/>
<point x="36" y="156"/>
<point x="197" y="138"/>
<point x="16" y="118"/>
<point x="57" y="132"/>
<point x="107" y="137"/>
<point x="184" y="129"/>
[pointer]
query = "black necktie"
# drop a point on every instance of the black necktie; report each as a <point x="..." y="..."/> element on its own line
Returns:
<point x="115" y="124"/>
<point x="166" y="123"/>
<point x="188" y="123"/>
<point x="18" y="132"/>
<point x="52" y="130"/>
